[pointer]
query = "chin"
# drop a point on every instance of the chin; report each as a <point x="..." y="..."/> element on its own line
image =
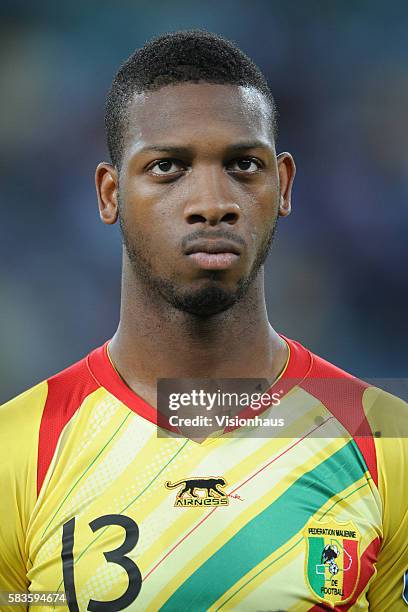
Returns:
<point x="205" y="302"/>
<point x="210" y="298"/>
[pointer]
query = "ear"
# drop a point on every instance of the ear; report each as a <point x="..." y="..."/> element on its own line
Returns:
<point x="107" y="183"/>
<point x="287" y="171"/>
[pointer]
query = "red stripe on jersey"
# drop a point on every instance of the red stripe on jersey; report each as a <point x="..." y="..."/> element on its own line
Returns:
<point x="342" y="394"/>
<point x="350" y="576"/>
<point x="66" y="393"/>
<point x="368" y="559"/>
<point x="102" y="369"/>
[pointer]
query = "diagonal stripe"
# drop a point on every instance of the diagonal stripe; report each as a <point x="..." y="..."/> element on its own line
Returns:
<point x="237" y="488"/>
<point x="78" y="480"/>
<point x="102" y="531"/>
<point x="260" y="572"/>
<point x="275" y="560"/>
<point x="268" y="531"/>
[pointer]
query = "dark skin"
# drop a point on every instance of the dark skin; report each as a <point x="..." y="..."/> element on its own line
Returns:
<point x="198" y="158"/>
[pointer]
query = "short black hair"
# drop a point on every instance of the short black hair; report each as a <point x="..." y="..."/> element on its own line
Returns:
<point x="178" y="57"/>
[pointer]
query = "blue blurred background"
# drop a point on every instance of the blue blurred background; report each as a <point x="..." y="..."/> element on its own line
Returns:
<point x="337" y="274"/>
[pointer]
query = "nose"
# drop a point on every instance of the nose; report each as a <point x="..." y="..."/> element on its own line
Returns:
<point x="210" y="200"/>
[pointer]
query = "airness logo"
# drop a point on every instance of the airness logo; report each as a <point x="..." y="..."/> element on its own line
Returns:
<point x="200" y="492"/>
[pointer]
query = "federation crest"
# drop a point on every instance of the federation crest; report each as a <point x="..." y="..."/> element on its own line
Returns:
<point x="332" y="565"/>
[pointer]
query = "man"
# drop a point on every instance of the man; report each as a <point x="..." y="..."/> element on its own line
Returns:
<point x="99" y="502"/>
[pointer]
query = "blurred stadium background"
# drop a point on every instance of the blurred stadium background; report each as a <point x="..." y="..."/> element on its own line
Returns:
<point x="337" y="275"/>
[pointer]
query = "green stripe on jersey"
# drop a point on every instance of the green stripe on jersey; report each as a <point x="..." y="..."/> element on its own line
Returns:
<point x="268" y="531"/>
<point x="316" y="546"/>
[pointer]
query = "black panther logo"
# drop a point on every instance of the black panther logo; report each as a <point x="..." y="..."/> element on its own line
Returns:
<point x="208" y="484"/>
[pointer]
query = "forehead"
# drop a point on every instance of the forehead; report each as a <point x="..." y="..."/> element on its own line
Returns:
<point x="198" y="112"/>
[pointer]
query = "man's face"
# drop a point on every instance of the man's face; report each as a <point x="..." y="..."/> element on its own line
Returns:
<point x="199" y="192"/>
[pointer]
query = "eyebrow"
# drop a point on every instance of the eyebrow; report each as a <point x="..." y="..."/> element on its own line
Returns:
<point x="252" y="144"/>
<point x="183" y="150"/>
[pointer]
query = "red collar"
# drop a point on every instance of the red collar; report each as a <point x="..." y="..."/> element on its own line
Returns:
<point x="296" y="370"/>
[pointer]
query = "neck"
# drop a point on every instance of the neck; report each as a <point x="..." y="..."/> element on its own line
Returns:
<point x="155" y="340"/>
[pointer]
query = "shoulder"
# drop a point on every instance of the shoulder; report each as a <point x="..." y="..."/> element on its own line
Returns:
<point x="376" y="419"/>
<point x="25" y="442"/>
<point x="20" y="420"/>
<point x="363" y="408"/>
<point x="57" y="395"/>
<point x="31" y="423"/>
<point x="387" y="414"/>
<point x="342" y="393"/>
<point x="67" y="390"/>
<point x="388" y="419"/>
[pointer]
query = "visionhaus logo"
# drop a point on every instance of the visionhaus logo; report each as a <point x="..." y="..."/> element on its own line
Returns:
<point x="201" y="491"/>
<point x="197" y="408"/>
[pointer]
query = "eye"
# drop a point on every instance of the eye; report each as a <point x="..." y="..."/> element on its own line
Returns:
<point x="245" y="164"/>
<point x="166" y="166"/>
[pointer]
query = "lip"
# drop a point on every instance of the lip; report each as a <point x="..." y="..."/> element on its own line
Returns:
<point x="213" y="254"/>
<point x="213" y="247"/>
<point x="214" y="261"/>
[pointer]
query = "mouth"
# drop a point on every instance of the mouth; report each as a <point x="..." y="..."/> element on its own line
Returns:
<point x="213" y="254"/>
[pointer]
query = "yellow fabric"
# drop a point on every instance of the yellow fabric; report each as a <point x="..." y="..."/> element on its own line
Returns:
<point x="389" y="415"/>
<point x="109" y="461"/>
<point x="19" y="426"/>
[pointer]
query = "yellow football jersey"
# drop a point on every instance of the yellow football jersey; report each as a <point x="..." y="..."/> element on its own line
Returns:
<point x="95" y="504"/>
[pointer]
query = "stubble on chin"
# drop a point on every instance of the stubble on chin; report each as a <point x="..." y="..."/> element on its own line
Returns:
<point x="203" y="302"/>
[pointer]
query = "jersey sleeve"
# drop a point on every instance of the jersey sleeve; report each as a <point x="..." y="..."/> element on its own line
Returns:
<point x="19" y="427"/>
<point x="388" y="418"/>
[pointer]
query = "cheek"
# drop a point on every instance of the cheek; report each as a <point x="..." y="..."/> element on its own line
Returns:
<point x="268" y="197"/>
<point x="150" y="205"/>
<point x="261" y="215"/>
<point x="151" y="239"/>
<point x="139" y="209"/>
